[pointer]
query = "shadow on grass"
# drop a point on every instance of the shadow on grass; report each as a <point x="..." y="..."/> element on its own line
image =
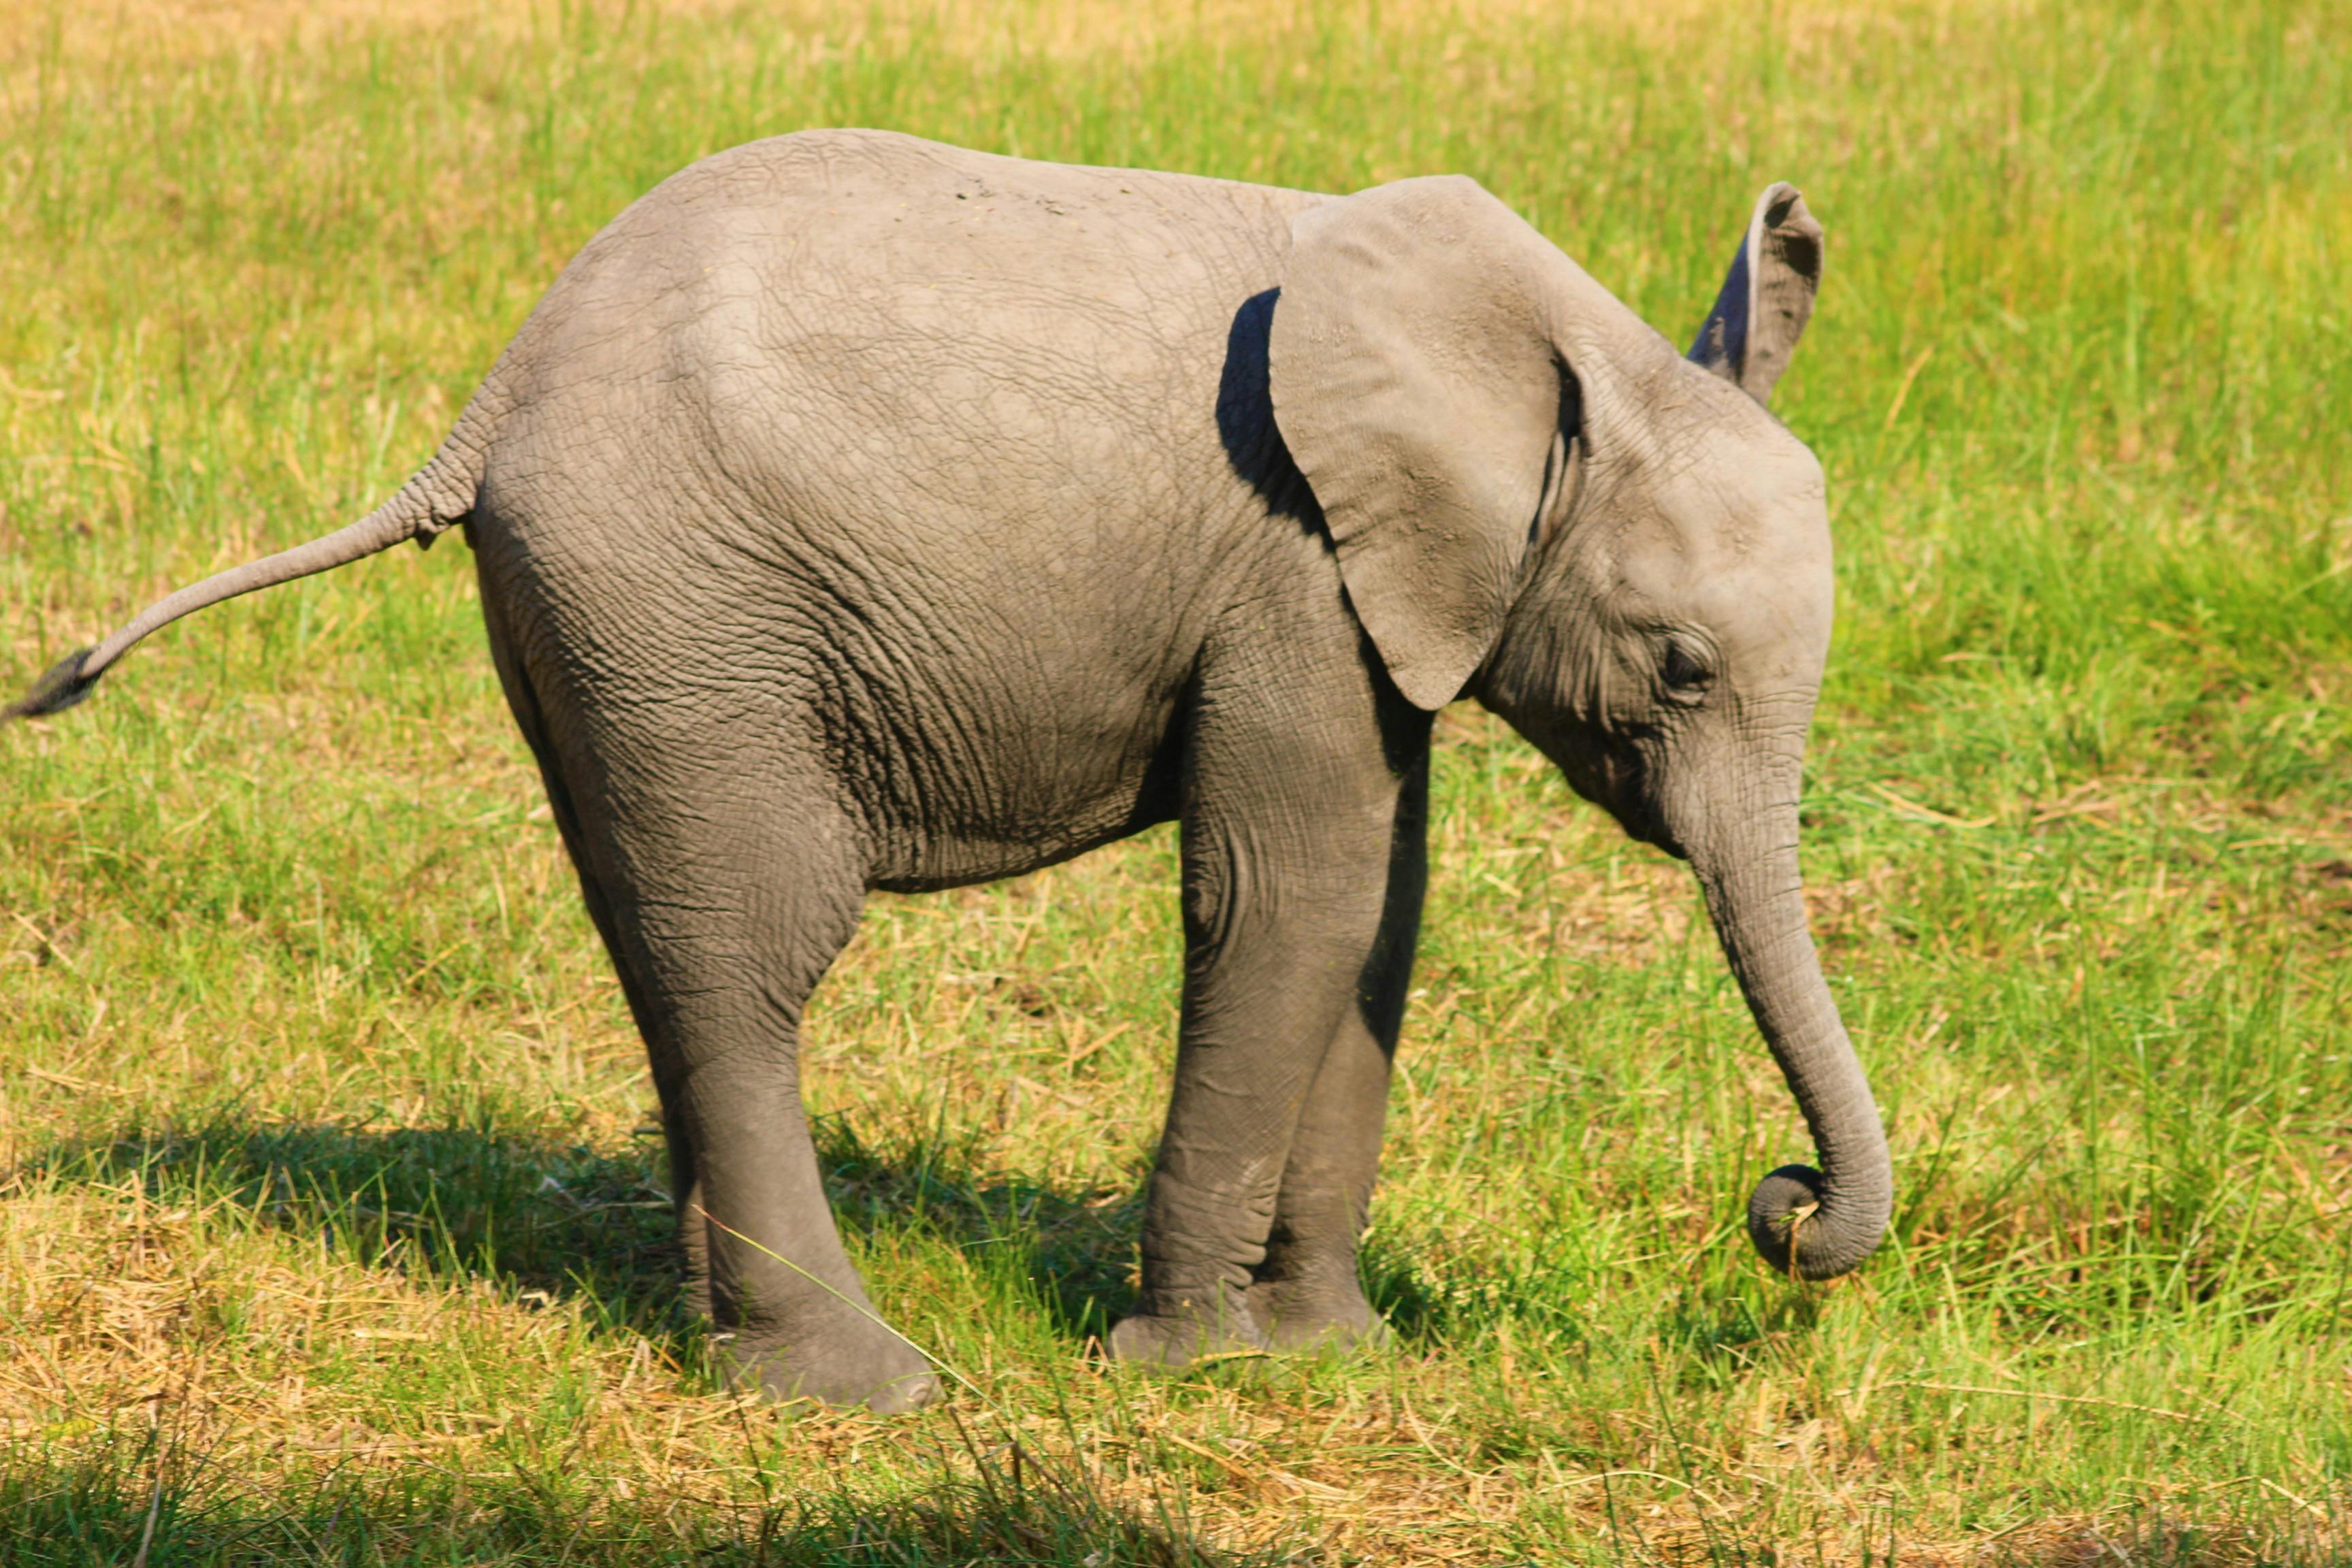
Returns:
<point x="129" y="1499"/>
<point x="1076" y="1250"/>
<point x="536" y="1216"/>
<point x="539" y="1216"/>
<point x="1718" y="1329"/>
<point x="531" y="1215"/>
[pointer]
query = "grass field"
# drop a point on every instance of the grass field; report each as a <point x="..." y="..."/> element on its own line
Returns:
<point x="331" y="1227"/>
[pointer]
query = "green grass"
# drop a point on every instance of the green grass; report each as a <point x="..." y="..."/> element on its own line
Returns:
<point x="326" y="1233"/>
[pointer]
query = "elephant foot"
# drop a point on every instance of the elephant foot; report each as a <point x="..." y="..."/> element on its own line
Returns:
<point x="1308" y="1315"/>
<point x="1187" y="1331"/>
<point x="866" y="1365"/>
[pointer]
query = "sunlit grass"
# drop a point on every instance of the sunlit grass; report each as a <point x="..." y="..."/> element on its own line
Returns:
<point x="329" y="1229"/>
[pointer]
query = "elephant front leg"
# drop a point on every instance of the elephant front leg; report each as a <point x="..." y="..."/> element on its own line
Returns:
<point x="1283" y="919"/>
<point x="1308" y="1293"/>
<point x="1305" y="1294"/>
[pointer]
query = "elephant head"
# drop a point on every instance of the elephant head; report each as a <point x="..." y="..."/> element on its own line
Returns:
<point x="1537" y="502"/>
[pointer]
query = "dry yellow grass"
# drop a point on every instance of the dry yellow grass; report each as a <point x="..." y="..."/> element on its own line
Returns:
<point x="117" y="1311"/>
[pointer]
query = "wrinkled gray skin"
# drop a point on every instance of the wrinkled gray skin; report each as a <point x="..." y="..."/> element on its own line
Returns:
<point x="860" y="512"/>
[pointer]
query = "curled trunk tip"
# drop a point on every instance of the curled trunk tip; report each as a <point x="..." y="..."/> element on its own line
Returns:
<point x="1807" y="1224"/>
<point x="1799" y="1229"/>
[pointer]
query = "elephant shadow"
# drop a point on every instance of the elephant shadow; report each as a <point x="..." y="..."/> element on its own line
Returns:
<point x="1071" y="1251"/>
<point x="547" y="1220"/>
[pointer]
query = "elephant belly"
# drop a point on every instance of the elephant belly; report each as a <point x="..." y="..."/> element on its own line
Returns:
<point x="1048" y="796"/>
<point x="973" y="725"/>
<point x="972" y="757"/>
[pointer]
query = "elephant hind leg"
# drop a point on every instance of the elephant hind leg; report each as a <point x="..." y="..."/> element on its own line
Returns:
<point x="721" y="912"/>
<point x="729" y="931"/>
<point x="522" y="701"/>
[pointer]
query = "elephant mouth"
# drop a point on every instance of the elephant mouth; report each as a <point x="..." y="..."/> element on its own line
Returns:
<point x="1618" y="775"/>
<point x="1643" y="819"/>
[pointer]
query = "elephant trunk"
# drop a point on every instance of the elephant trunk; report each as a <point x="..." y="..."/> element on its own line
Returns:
<point x="1808" y="1223"/>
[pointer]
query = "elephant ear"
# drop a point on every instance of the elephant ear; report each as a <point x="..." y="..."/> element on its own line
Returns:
<point x="1415" y="381"/>
<point x="1768" y="298"/>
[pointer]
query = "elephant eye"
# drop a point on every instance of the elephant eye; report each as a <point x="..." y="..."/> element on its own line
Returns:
<point x="1684" y="672"/>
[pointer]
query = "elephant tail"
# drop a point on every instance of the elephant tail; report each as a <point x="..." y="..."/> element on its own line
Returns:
<point x="438" y="497"/>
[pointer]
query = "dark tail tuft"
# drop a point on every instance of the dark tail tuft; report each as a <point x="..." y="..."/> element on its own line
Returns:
<point x="60" y="690"/>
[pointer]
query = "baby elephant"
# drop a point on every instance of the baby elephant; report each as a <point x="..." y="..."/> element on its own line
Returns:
<point x="857" y="512"/>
